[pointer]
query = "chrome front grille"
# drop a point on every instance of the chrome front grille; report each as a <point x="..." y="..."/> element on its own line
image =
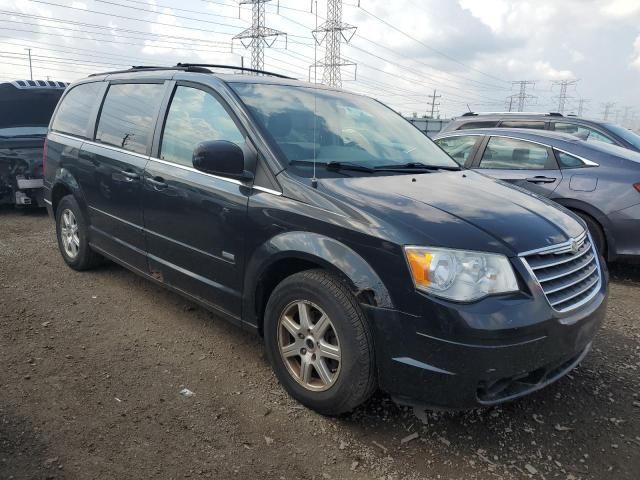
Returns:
<point x="569" y="273"/>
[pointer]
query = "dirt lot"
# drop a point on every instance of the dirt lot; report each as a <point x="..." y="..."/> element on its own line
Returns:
<point x="93" y="363"/>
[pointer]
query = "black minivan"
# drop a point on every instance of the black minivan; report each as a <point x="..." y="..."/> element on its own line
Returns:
<point x="331" y="226"/>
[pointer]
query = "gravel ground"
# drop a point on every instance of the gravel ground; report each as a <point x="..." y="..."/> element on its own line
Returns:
<point x="93" y="363"/>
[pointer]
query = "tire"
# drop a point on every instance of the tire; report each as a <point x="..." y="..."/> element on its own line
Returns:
<point x="76" y="253"/>
<point x="596" y="233"/>
<point x="352" y="377"/>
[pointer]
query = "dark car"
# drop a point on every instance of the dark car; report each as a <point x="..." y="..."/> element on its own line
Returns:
<point x="26" y="107"/>
<point x="598" y="182"/>
<point x="325" y="222"/>
<point x="592" y="131"/>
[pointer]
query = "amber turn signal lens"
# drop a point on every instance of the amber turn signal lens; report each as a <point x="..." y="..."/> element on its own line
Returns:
<point x="419" y="262"/>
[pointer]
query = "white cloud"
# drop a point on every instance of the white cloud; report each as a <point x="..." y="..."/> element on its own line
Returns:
<point x="636" y="53"/>
<point x="621" y="8"/>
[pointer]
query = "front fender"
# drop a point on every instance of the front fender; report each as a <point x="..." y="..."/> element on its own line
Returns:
<point x="321" y="250"/>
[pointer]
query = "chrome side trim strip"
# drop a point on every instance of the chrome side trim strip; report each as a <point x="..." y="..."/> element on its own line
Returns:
<point x="48" y="202"/>
<point x="171" y="164"/>
<point x="267" y="190"/>
<point x="193" y="170"/>
<point x="557" y="247"/>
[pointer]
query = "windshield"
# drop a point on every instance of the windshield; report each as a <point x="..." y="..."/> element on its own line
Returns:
<point x="628" y="135"/>
<point x="337" y="127"/>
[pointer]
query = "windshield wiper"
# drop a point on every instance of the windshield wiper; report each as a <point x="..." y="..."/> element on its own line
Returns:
<point x="416" y="166"/>
<point x="336" y="166"/>
<point x="349" y="166"/>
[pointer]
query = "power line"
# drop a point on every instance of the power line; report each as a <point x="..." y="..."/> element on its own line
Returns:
<point x="427" y="46"/>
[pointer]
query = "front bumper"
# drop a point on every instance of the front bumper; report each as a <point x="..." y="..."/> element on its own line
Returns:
<point x="464" y="356"/>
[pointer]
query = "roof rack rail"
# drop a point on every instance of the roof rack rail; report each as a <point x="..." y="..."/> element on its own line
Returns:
<point x="234" y="67"/>
<point x="191" y="67"/>
<point x="548" y="114"/>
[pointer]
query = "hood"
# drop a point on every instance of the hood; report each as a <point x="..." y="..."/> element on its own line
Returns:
<point x="461" y="209"/>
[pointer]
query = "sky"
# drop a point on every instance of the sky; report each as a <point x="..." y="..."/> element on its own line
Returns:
<point x="469" y="51"/>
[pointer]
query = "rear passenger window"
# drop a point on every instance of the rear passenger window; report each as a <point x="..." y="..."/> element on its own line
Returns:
<point x="195" y="116"/>
<point x="129" y="114"/>
<point x="73" y="116"/>
<point x="511" y="154"/>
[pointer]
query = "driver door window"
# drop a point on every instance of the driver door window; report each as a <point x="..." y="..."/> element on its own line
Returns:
<point x="195" y="116"/>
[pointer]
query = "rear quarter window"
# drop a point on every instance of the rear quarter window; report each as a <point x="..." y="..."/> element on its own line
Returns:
<point x="75" y="111"/>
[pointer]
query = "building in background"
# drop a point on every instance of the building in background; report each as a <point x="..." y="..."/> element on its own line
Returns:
<point x="430" y="126"/>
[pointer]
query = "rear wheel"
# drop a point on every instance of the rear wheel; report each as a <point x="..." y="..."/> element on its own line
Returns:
<point x="71" y="230"/>
<point x="319" y="343"/>
<point x="596" y="233"/>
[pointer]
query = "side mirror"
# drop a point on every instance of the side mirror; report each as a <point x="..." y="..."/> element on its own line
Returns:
<point x="219" y="157"/>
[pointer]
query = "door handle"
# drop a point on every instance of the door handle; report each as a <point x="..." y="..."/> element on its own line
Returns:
<point x="124" y="176"/>
<point x="129" y="176"/>
<point x="541" y="179"/>
<point x="157" y="182"/>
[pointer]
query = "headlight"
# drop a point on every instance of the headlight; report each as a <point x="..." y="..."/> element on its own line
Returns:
<point x="460" y="275"/>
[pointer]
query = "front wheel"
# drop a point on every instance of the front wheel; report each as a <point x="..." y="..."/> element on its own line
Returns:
<point x="319" y="343"/>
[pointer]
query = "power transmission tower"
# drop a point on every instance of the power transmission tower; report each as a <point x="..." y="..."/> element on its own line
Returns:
<point x="332" y="32"/>
<point x="581" y="103"/>
<point x="562" y="98"/>
<point x="522" y="96"/>
<point x="258" y="36"/>
<point x="433" y="98"/>
<point x="607" y="110"/>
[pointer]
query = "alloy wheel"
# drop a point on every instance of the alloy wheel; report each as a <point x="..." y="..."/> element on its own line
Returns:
<point x="309" y="345"/>
<point x="69" y="234"/>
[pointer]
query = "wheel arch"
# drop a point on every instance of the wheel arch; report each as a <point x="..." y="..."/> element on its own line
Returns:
<point x="65" y="184"/>
<point x="292" y="252"/>
<point x="598" y="217"/>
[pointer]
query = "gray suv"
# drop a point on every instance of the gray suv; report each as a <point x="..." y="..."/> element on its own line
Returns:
<point x="588" y="130"/>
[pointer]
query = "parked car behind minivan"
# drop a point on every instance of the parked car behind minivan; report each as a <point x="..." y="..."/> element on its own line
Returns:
<point x="328" y="224"/>
<point x="598" y="182"/>
<point x="26" y="107"/>
<point x="589" y="130"/>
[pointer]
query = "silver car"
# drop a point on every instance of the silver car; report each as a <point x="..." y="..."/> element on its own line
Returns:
<point x="598" y="182"/>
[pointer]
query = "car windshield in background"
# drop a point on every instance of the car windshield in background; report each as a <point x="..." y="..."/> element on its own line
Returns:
<point x="351" y="131"/>
<point x="628" y="135"/>
<point x="23" y="131"/>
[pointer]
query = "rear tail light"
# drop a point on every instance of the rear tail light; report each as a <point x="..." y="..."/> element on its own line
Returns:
<point x="44" y="156"/>
<point x="637" y="186"/>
